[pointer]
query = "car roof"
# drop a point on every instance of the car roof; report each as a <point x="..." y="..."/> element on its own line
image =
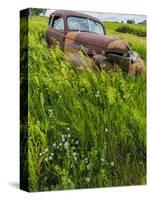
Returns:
<point x="66" y="13"/>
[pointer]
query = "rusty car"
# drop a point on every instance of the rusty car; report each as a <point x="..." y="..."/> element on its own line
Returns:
<point x="75" y="31"/>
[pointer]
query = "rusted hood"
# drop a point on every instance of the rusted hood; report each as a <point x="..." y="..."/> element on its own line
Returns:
<point x="118" y="47"/>
<point x="90" y="38"/>
<point x="101" y="41"/>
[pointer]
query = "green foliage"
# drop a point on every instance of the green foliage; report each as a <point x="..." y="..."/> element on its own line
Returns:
<point x="131" y="30"/>
<point x="37" y="11"/>
<point x="85" y="130"/>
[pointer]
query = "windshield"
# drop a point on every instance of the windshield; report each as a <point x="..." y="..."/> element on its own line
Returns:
<point x="84" y="25"/>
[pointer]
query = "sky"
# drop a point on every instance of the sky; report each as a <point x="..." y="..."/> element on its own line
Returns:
<point x="112" y="16"/>
<point x="118" y="17"/>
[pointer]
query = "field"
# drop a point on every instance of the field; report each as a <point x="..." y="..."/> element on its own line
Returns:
<point x="84" y="130"/>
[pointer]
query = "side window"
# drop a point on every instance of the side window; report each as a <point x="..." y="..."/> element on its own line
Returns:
<point x="58" y="23"/>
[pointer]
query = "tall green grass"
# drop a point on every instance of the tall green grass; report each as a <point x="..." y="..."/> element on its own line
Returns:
<point x="85" y="130"/>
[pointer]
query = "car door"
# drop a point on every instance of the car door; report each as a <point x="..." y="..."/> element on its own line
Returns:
<point x="56" y="30"/>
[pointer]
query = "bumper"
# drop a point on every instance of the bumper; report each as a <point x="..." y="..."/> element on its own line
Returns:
<point x="123" y="61"/>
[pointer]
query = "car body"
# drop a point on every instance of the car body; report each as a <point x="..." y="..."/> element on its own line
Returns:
<point x="76" y="32"/>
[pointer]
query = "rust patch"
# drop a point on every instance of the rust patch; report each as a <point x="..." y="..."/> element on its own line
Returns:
<point x="137" y="68"/>
<point x="70" y="45"/>
<point x="72" y="35"/>
<point x="118" y="46"/>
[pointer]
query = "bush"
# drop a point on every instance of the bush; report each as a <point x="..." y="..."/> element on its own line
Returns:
<point x="131" y="30"/>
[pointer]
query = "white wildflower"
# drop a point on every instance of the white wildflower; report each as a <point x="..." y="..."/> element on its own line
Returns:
<point x="66" y="145"/>
<point x="75" y="158"/>
<point x="102" y="159"/>
<point x="38" y="122"/>
<point x="97" y="94"/>
<point x="87" y="179"/>
<point x="77" y="142"/>
<point x="112" y="164"/>
<point x="68" y="128"/>
<point x="54" y="144"/>
<point x="63" y="138"/>
<point x="46" y="149"/>
<point x="60" y="144"/>
<point x="51" y="110"/>
<point x="86" y="160"/>
<point x="50" y="158"/>
<point x="46" y="159"/>
<point x="88" y="167"/>
<point x="40" y="154"/>
<point x="74" y="154"/>
<point x="106" y="129"/>
<point x="73" y="148"/>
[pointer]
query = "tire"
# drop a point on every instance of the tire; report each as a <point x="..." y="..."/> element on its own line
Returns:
<point x="102" y="62"/>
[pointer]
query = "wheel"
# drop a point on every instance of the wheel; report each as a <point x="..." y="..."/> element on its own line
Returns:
<point x="79" y="62"/>
<point x="102" y="62"/>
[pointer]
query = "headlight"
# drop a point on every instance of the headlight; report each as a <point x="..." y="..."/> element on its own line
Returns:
<point x="134" y="56"/>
